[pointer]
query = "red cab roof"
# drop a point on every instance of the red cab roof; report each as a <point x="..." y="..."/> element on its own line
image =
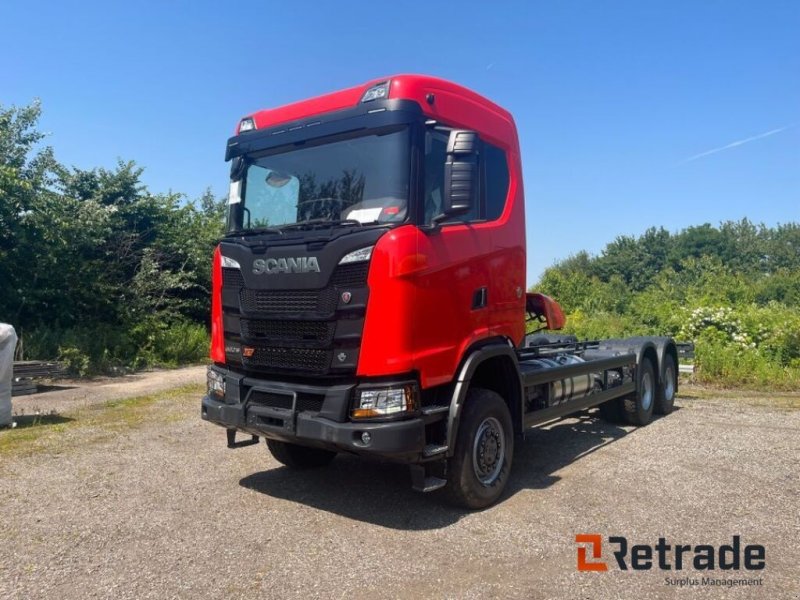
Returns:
<point x="452" y="104"/>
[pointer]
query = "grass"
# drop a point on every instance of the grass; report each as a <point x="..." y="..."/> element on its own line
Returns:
<point x="773" y="399"/>
<point x="56" y="433"/>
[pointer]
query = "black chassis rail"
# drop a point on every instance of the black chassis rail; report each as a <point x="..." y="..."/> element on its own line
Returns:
<point x="601" y="365"/>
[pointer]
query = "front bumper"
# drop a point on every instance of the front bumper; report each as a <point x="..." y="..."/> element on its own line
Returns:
<point x="310" y="415"/>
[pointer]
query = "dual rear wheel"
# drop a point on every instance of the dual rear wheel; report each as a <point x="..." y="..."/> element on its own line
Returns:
<point x="652" y="396"/>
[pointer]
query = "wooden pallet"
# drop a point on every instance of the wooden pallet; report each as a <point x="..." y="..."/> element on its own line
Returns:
<point x="27" y="372"/>
<point x="23" y="387"/>
<point x="38" y="369"/>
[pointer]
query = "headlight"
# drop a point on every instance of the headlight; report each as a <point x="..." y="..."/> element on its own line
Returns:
<point x="216" y="384"/>
<point x="382" y="402"/>
<point x="229" y="263"/>
<point x="357" y="256"/>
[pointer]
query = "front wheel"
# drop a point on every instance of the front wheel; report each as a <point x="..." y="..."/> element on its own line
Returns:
<point x="479" y="469"/>
<point x="299" y="457"/>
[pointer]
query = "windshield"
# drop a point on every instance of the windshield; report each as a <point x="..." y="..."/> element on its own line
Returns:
<point x="364" y="179"/>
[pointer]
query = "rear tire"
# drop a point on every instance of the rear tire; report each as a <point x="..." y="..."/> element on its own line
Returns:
<point x="478" y="471"/>
<point x="299" y="457"/>
<point x="638" y="408"/>
<point x="665" y="396"/>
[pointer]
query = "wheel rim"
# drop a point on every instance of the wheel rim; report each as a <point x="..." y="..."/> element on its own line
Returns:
<point x="488" y="451"/>
<point x="647" y="391"/>
<point x="669" y="384"/>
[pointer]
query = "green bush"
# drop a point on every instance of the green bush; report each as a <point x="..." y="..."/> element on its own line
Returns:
<point x="731" y="365"/>
<point x="734" y="291"/>
<point x="100" y="349"/>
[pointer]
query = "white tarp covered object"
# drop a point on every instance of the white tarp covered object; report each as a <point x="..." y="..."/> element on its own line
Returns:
<point x="8" y="342"/>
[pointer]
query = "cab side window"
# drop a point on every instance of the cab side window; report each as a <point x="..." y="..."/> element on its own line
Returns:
<point x="494" y="173"/>
<point x="435" y="155"/>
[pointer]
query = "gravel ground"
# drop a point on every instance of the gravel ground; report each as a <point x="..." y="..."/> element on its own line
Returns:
<point x="166" y="511"/>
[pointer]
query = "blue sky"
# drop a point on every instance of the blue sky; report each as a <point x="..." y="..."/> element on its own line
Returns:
<point x="612" y="99"/>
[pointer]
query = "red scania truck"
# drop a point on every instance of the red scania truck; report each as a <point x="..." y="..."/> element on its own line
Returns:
<point x="369" y="295"/>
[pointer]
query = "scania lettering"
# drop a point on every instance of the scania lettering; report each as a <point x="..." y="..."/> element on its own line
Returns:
<point x="302" y="264"/>
<point x="369" y="294"/>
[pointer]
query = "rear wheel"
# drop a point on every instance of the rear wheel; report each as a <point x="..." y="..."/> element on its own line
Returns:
<point x="299" y="457"/>
<point x="665" y="394"/>
<point x="479" y="469"/>
<point x="638" y="408"/>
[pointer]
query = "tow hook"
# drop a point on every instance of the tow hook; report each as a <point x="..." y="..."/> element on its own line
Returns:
<point x="232" y="443"/>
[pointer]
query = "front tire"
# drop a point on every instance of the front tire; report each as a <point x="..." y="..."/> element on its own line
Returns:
<point x="299" y="457"/>
<point x="638" y="408"/>
<point x="479" y="469"/>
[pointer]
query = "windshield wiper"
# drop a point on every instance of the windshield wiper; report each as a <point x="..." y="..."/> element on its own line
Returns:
<point x="256" y="230"/>
<point x="313" y="223"/>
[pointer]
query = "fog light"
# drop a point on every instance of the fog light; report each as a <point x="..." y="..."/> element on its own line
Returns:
<point x="381" y="402"/>
<point x="216" y="384"/>
<point x="366" y="438"/>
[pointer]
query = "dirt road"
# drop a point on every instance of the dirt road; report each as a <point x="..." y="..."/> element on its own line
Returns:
<point x="67" y="395"/>
<point x="148" y="503"/>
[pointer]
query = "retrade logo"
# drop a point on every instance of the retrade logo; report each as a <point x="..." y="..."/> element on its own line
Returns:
<point x="667" y="557"/>
<point x="595" y="543"/>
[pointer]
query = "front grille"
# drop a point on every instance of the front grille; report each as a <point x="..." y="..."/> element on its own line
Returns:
<point x="352" y="275"/>
<point x="296" y="330"/>
<point x="310" y="360"/>
<point x="288" y="302"/>
<point x="305" y="402"/>
<point x="318" y="332"/>
<point x="232" y="278"/>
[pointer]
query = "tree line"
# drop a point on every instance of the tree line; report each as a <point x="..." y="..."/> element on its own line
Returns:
<point x="96" y="270"/>
<point x="733" y="289"/>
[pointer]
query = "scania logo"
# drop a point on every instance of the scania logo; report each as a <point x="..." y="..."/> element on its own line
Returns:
<point x="271" y="266"/>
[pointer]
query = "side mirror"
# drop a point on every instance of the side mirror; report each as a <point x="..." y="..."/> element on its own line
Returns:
<point x="238" y="167"/>
<point x="460" y="173"/>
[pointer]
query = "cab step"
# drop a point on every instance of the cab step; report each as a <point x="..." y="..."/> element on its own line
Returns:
<point x="433" y="450"/>
<point x="422" y="481"/>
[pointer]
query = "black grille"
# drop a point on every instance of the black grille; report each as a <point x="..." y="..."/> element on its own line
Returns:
<point x="292" y="334"/>
<point x="319" y="332"/>
<point x="354" y="275"/>
<point x="311" y="402"/>
<point x="288" y="302"/>
<point x="232" y="278"/>
<point x="310" y="360"/>
<point x="270" y="399"/>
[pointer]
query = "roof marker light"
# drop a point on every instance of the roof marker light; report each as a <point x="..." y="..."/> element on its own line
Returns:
<point x="247" y="124"/>
<point x="376" y="92"/>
